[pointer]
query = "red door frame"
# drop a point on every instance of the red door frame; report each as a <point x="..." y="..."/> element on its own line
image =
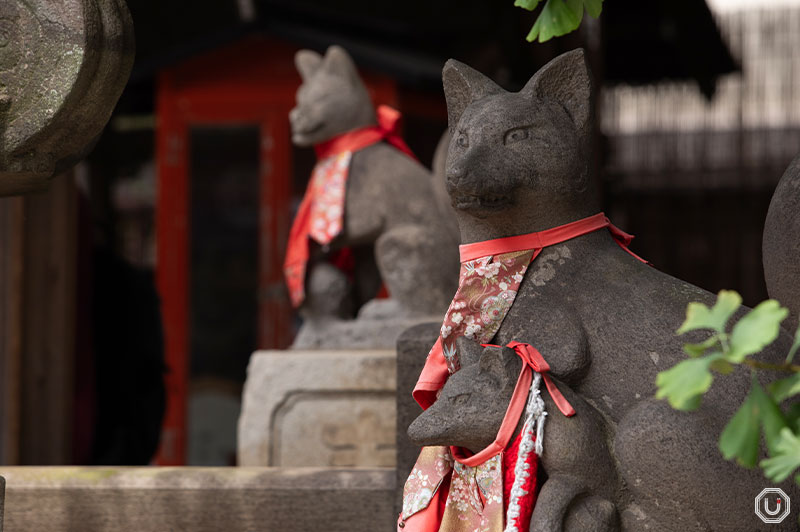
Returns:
<point x="250" y="82"/>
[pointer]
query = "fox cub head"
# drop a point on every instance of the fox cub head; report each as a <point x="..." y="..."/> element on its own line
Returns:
<point x="521" y="152"/>
<point x="473" y="401"/>
<point x="332" y="98"/>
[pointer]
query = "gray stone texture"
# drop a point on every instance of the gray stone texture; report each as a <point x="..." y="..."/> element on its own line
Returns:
<point x="390" y="204"/>
<point x="604" y="321"/>
<point x="781" y="246"/>
<point x="233" y="499"/>
<point x="318" y="408"/>
<point x="64" y="65"/>
<point x="412" y="347"/>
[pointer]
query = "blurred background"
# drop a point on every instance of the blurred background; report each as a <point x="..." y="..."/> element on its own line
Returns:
<point x="134" y="291"/>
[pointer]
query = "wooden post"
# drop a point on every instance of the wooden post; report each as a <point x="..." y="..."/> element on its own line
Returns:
<point x="11" y="270"/>
<point x="48" y="327"/>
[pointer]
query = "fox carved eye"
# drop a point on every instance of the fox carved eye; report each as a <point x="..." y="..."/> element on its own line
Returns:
<point x="515" y="135"/>
<point x="462" y="140"/>
<point x="460" y="399"/>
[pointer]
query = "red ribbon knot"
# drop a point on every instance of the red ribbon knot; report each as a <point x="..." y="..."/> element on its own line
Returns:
<point x="532" y="358"/>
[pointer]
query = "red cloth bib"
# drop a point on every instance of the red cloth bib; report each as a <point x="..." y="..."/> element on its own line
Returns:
<point x="491" y="272"/>
<point x="321" y="213"/>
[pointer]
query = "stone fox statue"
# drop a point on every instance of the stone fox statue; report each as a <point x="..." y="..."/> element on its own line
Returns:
<point x="389" y="204"/>
<point x="604" y="321"/>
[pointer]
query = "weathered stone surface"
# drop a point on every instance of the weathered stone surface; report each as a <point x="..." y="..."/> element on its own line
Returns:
<point x="378" y="326"/>
<point x="64" y="65"/>
<point x="605" y="322"/>
<point x="412" y="348"/>
<point x="148" y="499"/>
<point x="781" y="247"/>
<point x="391" y="206"/>
<point x="318" y="408"/>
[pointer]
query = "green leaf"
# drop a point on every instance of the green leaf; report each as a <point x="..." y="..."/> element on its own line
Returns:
<point x="699" y="316"/>
<point x="770" y="415"/>
<point x="684" y="384"/>
<point x="530" y="5"/>
<point x="793" y="417"/>
<point x="756" y="330"/>
<point x="784" y="388"/>
<point x="555" y="20"/>
<point x="740" y="437"/>
<point x="594" y="7"/>
<point x="696" y="350"/>
<point x="795" y="346"/>
<point x="786" y="458"/>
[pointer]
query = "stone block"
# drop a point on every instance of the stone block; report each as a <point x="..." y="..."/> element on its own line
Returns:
<point x="174" y="499"/>
<point x="412" y="349"/>
<point x="318" y="408"/>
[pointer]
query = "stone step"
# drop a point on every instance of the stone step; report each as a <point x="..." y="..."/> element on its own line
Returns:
<point x="178" y="499"/>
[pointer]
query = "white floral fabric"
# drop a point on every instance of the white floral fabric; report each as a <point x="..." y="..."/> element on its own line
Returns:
<point x="486" y="290"/>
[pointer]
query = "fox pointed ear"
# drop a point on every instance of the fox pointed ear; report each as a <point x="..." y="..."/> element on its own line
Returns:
<point x="565" y="80"/>
<point x="338" y="61"/>
<point x="469" y="351"/>
<point x="500" y="362"/>
<point x="462" y="86"/>
<point x="307" y="62"/>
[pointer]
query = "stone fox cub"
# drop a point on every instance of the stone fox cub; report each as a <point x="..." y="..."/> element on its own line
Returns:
<point x="604" y="321"/>
<point x="390" y="205"/>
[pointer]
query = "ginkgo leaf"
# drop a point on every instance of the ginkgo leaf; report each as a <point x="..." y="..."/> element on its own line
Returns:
<point x="699" y="316"/>
<point x="555" y="20"/>
<point x="785" y="388"/>
<point x="756" y="330"/>
<point x="530" y="5"/>
<point x="558" y="17"/>
<point x="740" y="437"/>
<point x="684" y="384"/>
<point x="785" y="460"/>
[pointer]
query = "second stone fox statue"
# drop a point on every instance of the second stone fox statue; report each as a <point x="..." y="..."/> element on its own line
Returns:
<point x="391" y="220"/>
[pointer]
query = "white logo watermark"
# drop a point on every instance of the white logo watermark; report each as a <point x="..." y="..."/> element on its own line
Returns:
<point x="772" y="505"/>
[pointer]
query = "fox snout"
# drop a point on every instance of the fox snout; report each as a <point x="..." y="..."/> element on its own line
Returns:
<point x="296" y="118"/>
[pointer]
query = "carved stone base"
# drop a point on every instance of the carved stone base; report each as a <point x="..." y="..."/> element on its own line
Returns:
<point x="318" y="408"/>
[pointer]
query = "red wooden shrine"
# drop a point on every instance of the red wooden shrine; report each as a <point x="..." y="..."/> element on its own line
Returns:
<point x="250" y="82"/>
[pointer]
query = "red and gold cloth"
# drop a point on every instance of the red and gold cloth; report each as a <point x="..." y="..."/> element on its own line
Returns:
<point x="442" y="491"/>
<point x="321" y="213"/>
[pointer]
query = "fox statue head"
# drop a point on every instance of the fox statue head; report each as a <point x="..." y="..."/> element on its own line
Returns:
<point x="473" y="401"/>
<point x="332" y="98"/>
<point x="519" y="162"/>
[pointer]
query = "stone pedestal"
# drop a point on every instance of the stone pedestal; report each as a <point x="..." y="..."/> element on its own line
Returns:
<point x="319" y="408"/>
<point x="167" y="499"/>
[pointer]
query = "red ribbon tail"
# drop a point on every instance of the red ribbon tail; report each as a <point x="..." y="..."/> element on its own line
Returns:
<point x="558" y="398"/>
<point x="389" y="122"/>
